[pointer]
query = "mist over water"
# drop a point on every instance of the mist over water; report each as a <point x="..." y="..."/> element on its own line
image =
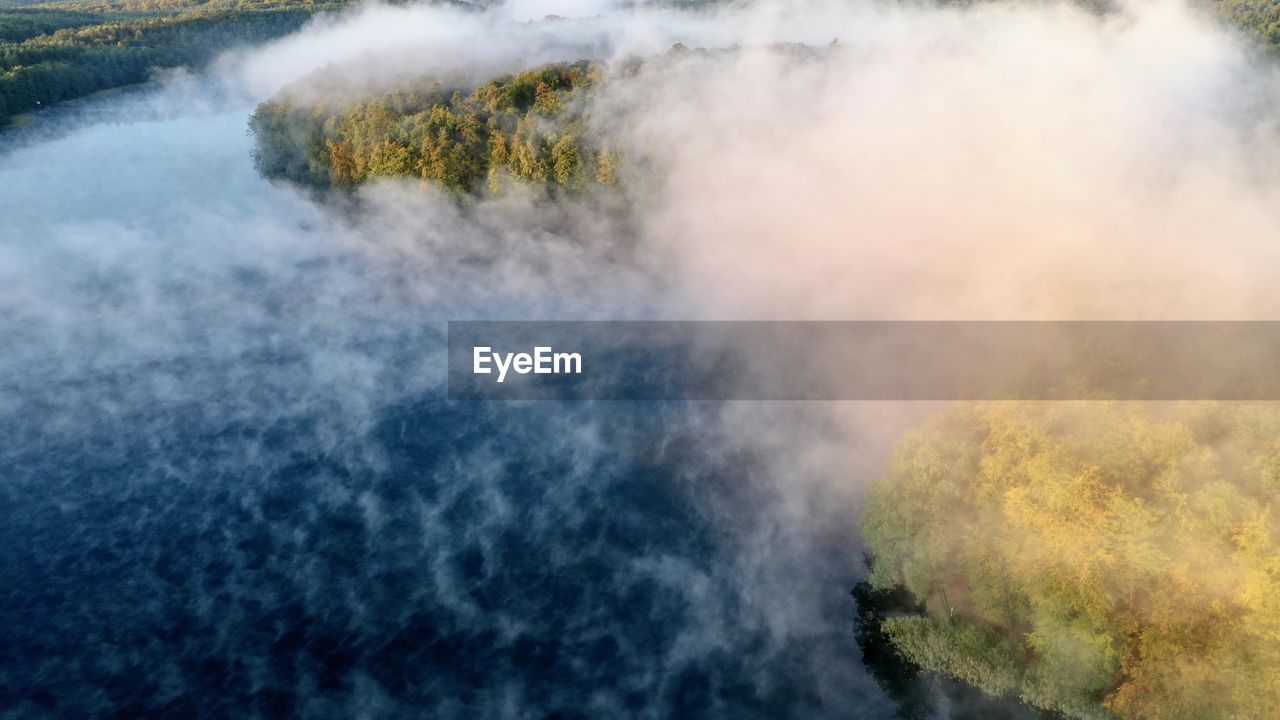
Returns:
<point x="230" y="484"/>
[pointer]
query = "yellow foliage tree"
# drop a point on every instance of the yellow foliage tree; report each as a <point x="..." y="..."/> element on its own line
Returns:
<point x="1126" y="553"/>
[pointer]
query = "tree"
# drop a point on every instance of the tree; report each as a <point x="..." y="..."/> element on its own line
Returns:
<point x="1125" y="554"/>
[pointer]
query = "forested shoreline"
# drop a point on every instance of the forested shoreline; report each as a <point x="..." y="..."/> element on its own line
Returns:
<point x="51" y="52"/>
<point x="1098" y="560"/>
<point x="529" y="127"/>
<point x="537" y="128"/>
<point x="54" y="53"/>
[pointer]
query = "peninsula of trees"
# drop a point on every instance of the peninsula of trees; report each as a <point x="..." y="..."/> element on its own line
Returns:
<point x="531" y="127"/>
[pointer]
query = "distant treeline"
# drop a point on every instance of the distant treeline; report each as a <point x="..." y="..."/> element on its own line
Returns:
<point x="532" y="127"/>
<point x="61" y="50"/>
<point x="1100" y="560"/>
<point x="18" y="24"/>
<point x="49" y="54"/>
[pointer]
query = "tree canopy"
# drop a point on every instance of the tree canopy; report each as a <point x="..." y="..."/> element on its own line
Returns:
<point x="61" y="51"/>
<point x="1100" y="559"/>
<point x="529" y="127"/>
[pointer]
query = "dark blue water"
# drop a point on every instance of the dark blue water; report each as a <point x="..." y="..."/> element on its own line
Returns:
<point x="230" y="486"/>
<point x="484" y="567"/>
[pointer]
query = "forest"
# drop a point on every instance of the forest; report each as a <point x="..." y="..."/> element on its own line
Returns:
<point x="1097" y="559"/>
<point x="532" y="127"/>
<point x="52" y="52"/>
<point x="55" y="51"/>
<point x="1260" y="18"/>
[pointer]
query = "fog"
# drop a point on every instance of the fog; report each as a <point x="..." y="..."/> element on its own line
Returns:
<point x="231" y="465"/>
<point x="1005" y="161"/>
